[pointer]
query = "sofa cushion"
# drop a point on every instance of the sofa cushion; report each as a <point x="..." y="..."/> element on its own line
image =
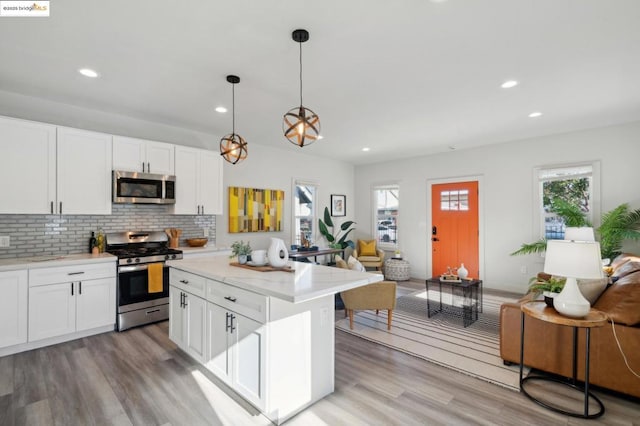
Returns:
<point x="340" y="263"/>
<point x="367" y="248"/>
<point x="621" y="259"/>
<point x="355" y="265"/>
<point x="621" y="301"/>
<point x="629" y="267"/>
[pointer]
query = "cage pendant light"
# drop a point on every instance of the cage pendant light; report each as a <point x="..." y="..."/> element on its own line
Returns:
<point x="233" y="147"/>
<point x="301" y="125"/>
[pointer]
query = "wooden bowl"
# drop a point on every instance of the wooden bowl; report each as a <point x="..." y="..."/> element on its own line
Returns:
<point x="197" y="242"/>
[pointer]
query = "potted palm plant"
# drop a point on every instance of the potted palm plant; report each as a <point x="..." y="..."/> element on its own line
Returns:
<point x="335" y="240"/>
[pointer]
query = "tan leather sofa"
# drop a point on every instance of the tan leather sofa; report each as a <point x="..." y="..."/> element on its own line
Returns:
<point x="548" y="347"/>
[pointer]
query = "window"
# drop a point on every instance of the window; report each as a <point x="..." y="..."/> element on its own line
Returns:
<point x="454" y="200"/>
<point x="304" y="212"/>
<point x="571" y="184"/>
<point x="386" y="201"/>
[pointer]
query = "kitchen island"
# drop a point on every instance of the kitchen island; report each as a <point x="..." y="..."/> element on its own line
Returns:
<point x="268" y="335"/>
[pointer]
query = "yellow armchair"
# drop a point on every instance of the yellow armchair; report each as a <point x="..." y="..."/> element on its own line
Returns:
<point x="369" y="255"/>
<point x="380" y="295"/>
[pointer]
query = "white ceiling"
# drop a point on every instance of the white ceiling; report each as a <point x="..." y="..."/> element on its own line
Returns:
<point x="403" y="77"/>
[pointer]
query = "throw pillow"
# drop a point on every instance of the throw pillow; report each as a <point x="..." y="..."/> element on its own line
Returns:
<point x="340" y="263"/>
<point x="367" y="248"/>
<point x="592" y="289"/>
<point x="355" y="265"/>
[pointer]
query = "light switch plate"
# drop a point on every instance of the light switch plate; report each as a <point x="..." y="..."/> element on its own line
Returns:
<point x="5" y="241"/>
<point x="206" y="232"/>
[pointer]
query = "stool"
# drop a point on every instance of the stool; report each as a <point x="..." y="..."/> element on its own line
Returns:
<point x="396" y="270"/>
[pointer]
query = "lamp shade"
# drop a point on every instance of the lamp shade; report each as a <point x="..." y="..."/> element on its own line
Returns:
<point x="576" y="259"/>
<point x="583" y="233"/>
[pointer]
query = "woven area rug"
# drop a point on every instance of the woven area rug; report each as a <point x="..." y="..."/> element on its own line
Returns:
<point x="474" y="350"/>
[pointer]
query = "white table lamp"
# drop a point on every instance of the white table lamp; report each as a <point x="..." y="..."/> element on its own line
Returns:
<point x="573" y="259"/>
<point x="582" y="233"/>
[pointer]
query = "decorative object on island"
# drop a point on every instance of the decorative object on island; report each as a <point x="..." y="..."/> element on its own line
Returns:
<point x="462" y="272"/>
<point x="338" y="205"/>
<point x="241" y="250"/>
<point x="333" y="240"/>
<point x="233" y="147"/>
<point x="277" y="253"/>
<point x="573" y="259"/>
<point x="255" y="210"/>
<point x="300" y="124"/>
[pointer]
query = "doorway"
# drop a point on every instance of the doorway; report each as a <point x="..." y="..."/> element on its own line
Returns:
<point x="455" y="227"/>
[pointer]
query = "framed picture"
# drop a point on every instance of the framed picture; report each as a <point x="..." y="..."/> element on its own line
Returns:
<point x="338" y="205"/>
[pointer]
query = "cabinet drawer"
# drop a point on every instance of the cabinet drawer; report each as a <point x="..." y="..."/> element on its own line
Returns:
<point x="247" y="303"/>
<point x="63" y="274"/>
<point x="194" y="284"/>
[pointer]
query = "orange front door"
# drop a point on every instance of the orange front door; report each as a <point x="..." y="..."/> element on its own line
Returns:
<point x="454" y="234"/>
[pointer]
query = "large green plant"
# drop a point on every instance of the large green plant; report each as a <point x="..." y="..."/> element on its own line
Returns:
<point x="333" y="240"/>
<point x="616" y="226"/>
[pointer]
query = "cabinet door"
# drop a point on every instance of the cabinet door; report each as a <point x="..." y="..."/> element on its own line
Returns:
<point x="218" y="356"/>
<point x="196" y="316"/>
<point x="128" y="154"/>
<point x="210" y="181"/>
<point x="13" y="308"/>
<point x="27" y="166"/>
<point x="52" y="310"/>
<point x="95" y="303"/>
<point x="187" y="201"/>
<point x="248" y="359"/>
<point x="84" y="172"/>
<point x="176" y="317"/>
<point x="160" y="158"/>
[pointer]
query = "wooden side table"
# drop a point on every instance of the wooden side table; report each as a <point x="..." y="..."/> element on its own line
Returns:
<point x="540" y="311"/>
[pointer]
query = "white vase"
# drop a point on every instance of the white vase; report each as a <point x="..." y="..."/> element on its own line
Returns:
<point x="570" y="301"/>
<point x="462" y="272"/>
<point x="277" y="253"/>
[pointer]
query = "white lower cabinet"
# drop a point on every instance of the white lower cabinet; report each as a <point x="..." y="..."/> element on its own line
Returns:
<point x="13" y="307"/>
<point x="69" y="299"/>
<point x="236" y="352"/>
<point x="188" y="322"/>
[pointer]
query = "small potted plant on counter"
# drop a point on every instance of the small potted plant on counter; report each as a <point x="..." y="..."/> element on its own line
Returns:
<point x="241" y="250"/>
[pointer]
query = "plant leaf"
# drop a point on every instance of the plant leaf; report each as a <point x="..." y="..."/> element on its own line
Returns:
<point x="346" y="225"/>
<point x="324" y="231"/>
<point x="539" y="246"/>
<point x="327" y="217"/>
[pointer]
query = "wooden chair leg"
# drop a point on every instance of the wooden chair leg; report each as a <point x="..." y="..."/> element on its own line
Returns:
<point x="389" y="318"/>
<point x="351" y="319"/>
<point x="377" y="310"/>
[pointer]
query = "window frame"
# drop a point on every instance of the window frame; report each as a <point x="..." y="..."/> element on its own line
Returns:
<point x="390" y="245"/>
<point x="539" y="213"/>
<point x="295" y="238"/>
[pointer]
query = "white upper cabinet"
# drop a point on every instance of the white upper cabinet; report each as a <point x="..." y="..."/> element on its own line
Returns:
<point x="138" y="155"/>
<point x="27" y="166"/>
<point x="198" y="181"/>
<point x="47" y="168"/>
<point x="84" y="172"/>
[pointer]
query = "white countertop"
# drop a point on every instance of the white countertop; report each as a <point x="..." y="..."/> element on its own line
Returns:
<point x="308" y="281"/>
<point x="53" y="260"/>
<point x="206" y="249"/>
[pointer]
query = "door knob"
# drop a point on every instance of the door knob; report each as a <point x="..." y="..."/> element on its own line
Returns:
<point x="435" y="239"/>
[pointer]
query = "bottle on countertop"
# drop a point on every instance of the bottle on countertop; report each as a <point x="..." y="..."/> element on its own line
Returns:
<point x="92" y="241"/>
<point x="100" y="241"/>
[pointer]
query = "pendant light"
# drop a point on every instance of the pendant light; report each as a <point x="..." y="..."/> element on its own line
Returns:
<point x="301" y="125"/>
<point x="233" y="147"/>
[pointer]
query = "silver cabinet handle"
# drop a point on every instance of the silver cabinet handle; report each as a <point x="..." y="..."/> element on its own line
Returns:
<point x="184" y="281"/>
<point x="230" y="299"/>
<point x="76" y="273"/>
<point x="203" y="209"/>
<point x="60" y="207"/>
<point x="79" y="287"/>
<point x="143" y="167"/>
<point x="148" y="167"/>
<point x="52" y="207"/>
<point x="232" y="326"/>
<point x="72" y="289"/>
<point x="152" y="311"/>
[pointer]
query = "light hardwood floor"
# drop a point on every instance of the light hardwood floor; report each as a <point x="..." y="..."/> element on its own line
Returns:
<point x="139" y="377"/>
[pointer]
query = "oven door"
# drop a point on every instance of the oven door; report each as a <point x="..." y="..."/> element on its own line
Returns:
<point x="133" y="285"/>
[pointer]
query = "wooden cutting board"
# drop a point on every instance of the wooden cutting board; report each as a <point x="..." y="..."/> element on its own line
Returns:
<point x="265" y="268"/>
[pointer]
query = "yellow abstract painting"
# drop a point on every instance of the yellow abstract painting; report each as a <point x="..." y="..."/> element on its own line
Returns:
<point x="255" y="210"/>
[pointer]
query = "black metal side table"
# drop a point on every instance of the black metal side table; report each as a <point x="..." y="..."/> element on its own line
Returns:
<point x="540" y="311"/>
<point x="469" y="290"/>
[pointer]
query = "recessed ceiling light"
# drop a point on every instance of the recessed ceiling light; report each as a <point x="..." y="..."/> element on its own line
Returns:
<point x="87" y="72"/>
<point x="535" y="114"/>
<point x="509" y="84"/>
<point x="366" y="149"/>
<point x="221" y="109"/>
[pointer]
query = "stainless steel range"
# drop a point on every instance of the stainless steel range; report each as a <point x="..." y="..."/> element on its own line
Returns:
<point x="137" y="304"/>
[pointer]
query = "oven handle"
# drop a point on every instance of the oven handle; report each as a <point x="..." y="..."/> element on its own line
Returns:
<point x="135" y="268"/>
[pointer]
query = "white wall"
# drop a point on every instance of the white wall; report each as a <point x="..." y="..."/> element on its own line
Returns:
<point x="276" y="169"/>
<point x="507" y="212"/>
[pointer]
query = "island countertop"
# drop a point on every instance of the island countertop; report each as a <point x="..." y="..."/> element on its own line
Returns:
<point x="306" y="282"/>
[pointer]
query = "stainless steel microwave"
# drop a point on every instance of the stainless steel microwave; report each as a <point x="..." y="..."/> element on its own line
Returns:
<point x="143" y="188"/>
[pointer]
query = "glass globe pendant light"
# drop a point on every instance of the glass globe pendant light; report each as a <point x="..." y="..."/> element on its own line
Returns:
<point x="301" y="125"/>
<point x="233" y="147"/>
